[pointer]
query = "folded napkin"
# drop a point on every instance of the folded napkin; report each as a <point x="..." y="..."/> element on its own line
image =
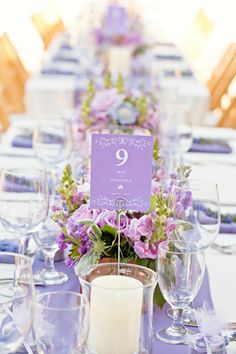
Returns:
<point x="210" y="146"/>
<point x="55" y="71"/>
<point x="183" y="73"/>
<point x="66" y="46"/>
<point x="25" y="140"/>
<point x="227" y="225"/>
<point x="61" y="58"/>
<point x="168" y="57"/>
<point x="22" y="141"/>
<point x="8" y="246"/>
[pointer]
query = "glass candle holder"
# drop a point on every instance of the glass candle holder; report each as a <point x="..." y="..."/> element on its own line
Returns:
<point x="121" y="307"/>
<point x="200" y="345"/>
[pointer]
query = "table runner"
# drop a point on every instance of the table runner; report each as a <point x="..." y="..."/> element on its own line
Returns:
<point x="160" y="318"/>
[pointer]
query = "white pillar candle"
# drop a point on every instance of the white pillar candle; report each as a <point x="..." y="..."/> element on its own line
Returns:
<point x="119" y="60"/>
<point x="115" y="315"/>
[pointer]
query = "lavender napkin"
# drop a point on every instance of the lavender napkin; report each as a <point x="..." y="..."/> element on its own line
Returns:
<point x="54" y="71"/>
<point x="22" y="141"/>
<point x="8" y="246"/>
<point x="61" y="58"/>
<point x="210" y="146"/>
<point x="228" y="223"/>
<point x="172" y="73"/>
<point x="174" y="57"/>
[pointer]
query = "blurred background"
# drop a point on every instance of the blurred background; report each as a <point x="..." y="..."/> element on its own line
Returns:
<point x="203" y="30"/>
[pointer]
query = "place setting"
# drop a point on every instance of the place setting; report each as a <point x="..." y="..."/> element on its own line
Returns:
<point x="117" y="172"/>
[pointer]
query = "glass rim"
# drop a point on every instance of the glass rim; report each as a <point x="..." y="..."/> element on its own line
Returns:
<point x="100" y="265"/>
<point x="61" y="292"/>
<point x="185" y="251"/>
<point x="212" y="185"/>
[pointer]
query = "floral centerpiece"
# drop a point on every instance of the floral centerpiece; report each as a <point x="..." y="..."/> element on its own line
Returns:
<point x="91" y="234"/>
<point x="113" y="105"/>
<point x="118" y="27"/>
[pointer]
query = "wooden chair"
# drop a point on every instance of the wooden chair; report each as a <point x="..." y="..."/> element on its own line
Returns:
<point x="4" y="122"/>
<point x="47" y="30"/>
<point x="12" y="58"/>
<point x="10" y="90"/>
<point x="228" y="117"/>
<point x="222" y="77"/>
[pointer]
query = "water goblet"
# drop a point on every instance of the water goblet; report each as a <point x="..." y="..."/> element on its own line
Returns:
<point x="180" y="270"/>
<point x="61" y="323"/>
<point x="197" y="221"/>
<point x="23" y="201"/>
<point x="16" y="301"/>
<point x="52" y="143"/>
<point x="46" y="241"/>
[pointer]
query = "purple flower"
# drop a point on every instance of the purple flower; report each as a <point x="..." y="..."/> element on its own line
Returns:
<point x="77" y="197"/>
<point x="70" y="262"/>
<point x="156" y="187"/>
<point x="145" y="226"/>
<point x="146" y="249"/>
<point x="110" y="218"/>
<point x="132" y="232"/>
<point x="105" y="101"/>
<point x="84" y="212"/>
<point x="125" y="114"/>
<point x="61" y="241"/>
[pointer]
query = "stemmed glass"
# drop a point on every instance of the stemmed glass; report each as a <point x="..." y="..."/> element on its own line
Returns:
<point x="61" y="324"/>
<point x="197" y="219"/>
<point x="180" y="270"/>
<point x="52" y="143"/>
<point x="175" y="134"/>
<point x="23" y="201"/>
<point x="16" y="301"/>
<point x="46" y="241"/>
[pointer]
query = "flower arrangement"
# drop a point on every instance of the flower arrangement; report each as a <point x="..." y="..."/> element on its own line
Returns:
<point x="92" y="234"/>
<point x="119" y="28"/>
<point x="111" y="105"/>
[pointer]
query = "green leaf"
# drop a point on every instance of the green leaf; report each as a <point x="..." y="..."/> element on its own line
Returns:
<point x="85" y="261"/>
<point x="158" y="298"/>
<point x="153" y="204"/>
<point x="109" y="229"/>
<point x="96" y="231"/>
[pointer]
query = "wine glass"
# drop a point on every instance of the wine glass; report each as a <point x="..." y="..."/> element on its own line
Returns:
<point x="46" y="241"/>
<point x="180" y="270"/>
<point x="175" y="134"/>
<point x="61" y="324"/>
<point x="52" y="143"/>
<point x="23" y="201"/>
<point x="17" y="297"/>
<point x="197" y="219"/>
<point x="197" y="212"/>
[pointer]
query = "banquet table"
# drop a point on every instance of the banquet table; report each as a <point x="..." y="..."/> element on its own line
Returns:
<point x="220" y="286"/>
<point x="54" y="88"/>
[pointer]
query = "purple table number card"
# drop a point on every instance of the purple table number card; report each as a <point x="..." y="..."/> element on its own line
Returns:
<point x="121" y="172"/>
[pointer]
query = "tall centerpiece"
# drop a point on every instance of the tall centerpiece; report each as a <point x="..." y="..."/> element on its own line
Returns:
<point x="120" y="33"/>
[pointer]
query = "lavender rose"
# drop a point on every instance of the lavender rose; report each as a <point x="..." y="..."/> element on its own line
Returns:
<point x="106" y="100"/>
<point x="110" y="218"/>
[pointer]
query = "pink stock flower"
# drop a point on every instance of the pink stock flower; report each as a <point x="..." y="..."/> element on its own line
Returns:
<point x="145" y="226"/>
<point x="109" y="217"/>
<point x="146" y="249"/>
<point x="105" y="101"/>
<point x="156" y="187"/>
